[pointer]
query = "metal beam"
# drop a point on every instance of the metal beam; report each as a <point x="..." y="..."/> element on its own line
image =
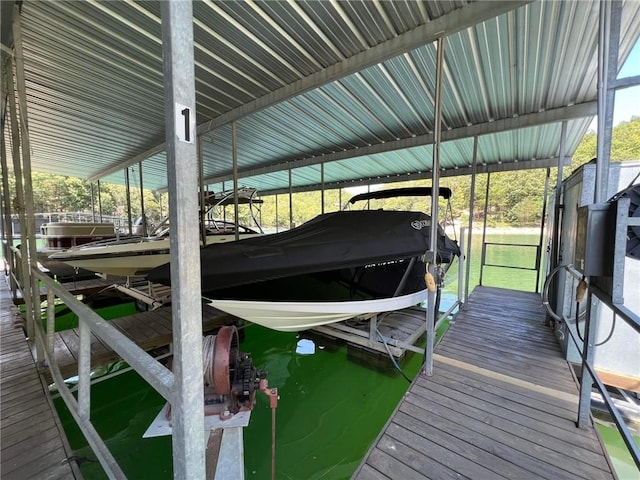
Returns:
<point x="626" y="82"/>
<point x="455" y="21"/>
<point x="573" y="112"/>
<point x="457" y="172"/>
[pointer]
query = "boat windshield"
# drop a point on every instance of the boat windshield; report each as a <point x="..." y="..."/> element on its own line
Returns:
<point x="216" y="213"/>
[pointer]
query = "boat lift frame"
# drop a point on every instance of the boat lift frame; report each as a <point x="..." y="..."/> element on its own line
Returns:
<point x="371" y="338"/>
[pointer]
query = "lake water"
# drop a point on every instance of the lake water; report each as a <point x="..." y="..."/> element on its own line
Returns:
<point x="332" y="402"/>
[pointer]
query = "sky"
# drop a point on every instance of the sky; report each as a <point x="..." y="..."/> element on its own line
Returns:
<point x="627" y="100"/>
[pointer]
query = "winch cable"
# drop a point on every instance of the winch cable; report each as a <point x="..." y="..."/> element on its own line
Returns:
<point x="208" y="344"/>
<point x="393" y="360"/>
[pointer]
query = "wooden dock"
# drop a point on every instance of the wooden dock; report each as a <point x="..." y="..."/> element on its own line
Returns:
<point x="86" y="286"/>
<point x="401" y="329"/>
<point x="502" y="403"/>
<point x="32" y="442"/>
<point x="149" y="330"/>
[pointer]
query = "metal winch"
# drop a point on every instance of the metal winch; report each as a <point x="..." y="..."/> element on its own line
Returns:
<point x="230" y="378"/>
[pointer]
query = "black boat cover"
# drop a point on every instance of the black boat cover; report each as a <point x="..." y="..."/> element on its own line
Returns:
<point x="330" y="241"/>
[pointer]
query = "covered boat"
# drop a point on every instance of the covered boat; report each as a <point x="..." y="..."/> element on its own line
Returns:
<point x="333" y="267"/>
<point x="136" y="255"/>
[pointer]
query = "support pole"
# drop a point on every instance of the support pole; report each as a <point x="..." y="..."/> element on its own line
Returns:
<point x="234" y="149"/>
<point x="586" y="382"/>
<point x="6" y="197"/>
<point x="224" y="189"/>
<point x="432" y="254"/>
<point x="290" y="201"/>
<point x="462" y="264"/>
<point x="203" y="230"/>
<point x="128" y="196"/>
<point x="322" y="187"/>
<point x="93" y="202"/>
<point x="51" y="322"/>
<point x="182" y="168"/>
<point x="483" y="255"/>
<point x="554" y="254"/>
<point x="29" y="248"/>
<point x="277" y="221"/>
<point x="100" y="201"/>
<point x="608" y="40"/>
<point x="541" y="240"/>
<point x="24" y="276"/>
<point x="144" y="214"/>
<point x="84" y="372"/>
<point x="472" y="206"/>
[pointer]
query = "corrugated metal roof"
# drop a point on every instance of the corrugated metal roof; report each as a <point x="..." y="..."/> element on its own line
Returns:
<point x="352" y="84"/>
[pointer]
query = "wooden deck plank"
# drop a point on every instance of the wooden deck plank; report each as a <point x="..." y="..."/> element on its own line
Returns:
<point x="469" y="341"/>
<point x="406" y="452"/>
<point x="442" y="455"/>
<point x="447" y="434"/>
<point x="149" y="330"/>
<point x="18" y="432"/>
<point x="557" y="407"/>
<point x="502" y="403"/>
<point x="532" y="429"/>
<point x="31" y="443"/>
<point x="17" y="394"/>
<point x="508" y="365"/>
<point x="522" y="446"/>
<point x="44" y="467"/>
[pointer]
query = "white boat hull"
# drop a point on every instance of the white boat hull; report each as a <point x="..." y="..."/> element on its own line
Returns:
<point x="296" y="316"/>
<point x="127" y="259"/>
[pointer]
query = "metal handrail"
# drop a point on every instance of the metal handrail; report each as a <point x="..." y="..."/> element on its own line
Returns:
<point x="536" y="268"/>
<point x="588" y="368"/>
<point x="156" y="374"/>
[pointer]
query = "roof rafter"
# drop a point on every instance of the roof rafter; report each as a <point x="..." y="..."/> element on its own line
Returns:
<point x="489" y="168"/>
<point x="445" y="25"/>
<point x="523" y="121"/>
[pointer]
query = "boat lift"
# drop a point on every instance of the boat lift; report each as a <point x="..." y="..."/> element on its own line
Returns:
<point x="230" y="385"/>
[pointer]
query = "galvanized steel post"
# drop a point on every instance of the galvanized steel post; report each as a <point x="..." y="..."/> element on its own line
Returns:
<point x="18" y="204"/>
<point x="6" y="197"/>
<point x="555" y="239"/>
<point x="234" y="150"/>
<point x="28" y="239"/>
<point x="586" y="382"/>
<point x="608" y="45"/>
<point x="472" y="205"/>
<point x="290" y="200"/>
<point x="99" y="200"/>
<point x="128" y="197"/>
<point x="483" y="254"/>
<point x="322" y="187"/>
<point x="142" y="209"/>
<point x="51" y="322"/>
<point x="203" y="212"/>
<point x="461" y="264"/>
<point x="435" y="198"/>
<point x="182" y="169"/>
<point x="84" y="371"/>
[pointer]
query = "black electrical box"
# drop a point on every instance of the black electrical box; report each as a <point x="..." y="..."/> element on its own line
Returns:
<point x="595" y="239"/>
